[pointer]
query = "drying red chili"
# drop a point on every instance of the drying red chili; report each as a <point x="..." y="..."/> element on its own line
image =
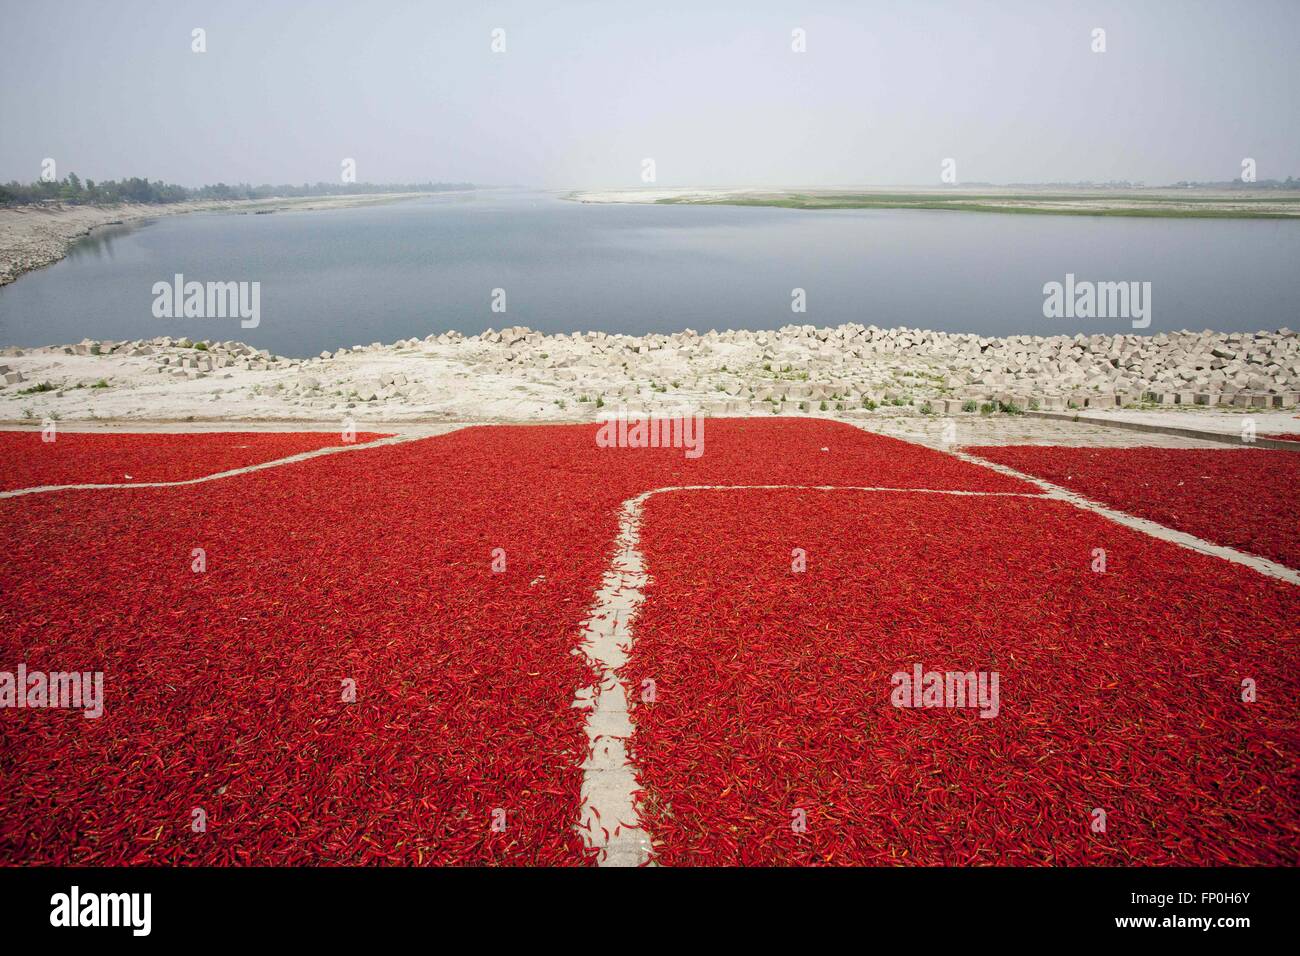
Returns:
<point x="224" y="688"/>
<point x="106" y="458"/>
<point x="1244" y="498"/>
<point x="1120" y="690"/>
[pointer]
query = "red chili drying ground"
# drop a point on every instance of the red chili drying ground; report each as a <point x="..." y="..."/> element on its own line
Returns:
<point x="102" y="458"/>
<point x="223" y="688"/>
<point x="1244" y="498"/>
<point x="1283" y="436"/>
<point x="1119" y="691"/>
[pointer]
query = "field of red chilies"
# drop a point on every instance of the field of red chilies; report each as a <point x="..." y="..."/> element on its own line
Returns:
<point x="1243" y="498"/>
<point x="1119" y="691"/>
<point x="225" y="689"/>
<point x="105" y="458"/>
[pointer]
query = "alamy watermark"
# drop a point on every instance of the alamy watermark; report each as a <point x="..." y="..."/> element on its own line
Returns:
<point x="622" y="429"/>
<point x="70" y="690"/>
<point x="75" y="908"/>
<point x="1084" y="299"/>
<point x="922" y="688"/>
<point x="179" y="299"/>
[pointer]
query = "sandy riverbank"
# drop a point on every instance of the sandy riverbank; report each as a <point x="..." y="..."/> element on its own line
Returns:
<point x="37" y="235"/>
<point x="1139" y="203"/>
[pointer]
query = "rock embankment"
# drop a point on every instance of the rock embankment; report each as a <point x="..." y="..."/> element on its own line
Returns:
<point x="521" y="374"/>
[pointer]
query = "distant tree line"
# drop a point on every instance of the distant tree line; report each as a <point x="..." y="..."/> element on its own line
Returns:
<point x="73" y="189"/>
<point x="1289" y="183"/>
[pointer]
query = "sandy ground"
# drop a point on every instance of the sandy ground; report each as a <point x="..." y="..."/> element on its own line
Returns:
<point x="1045" y="199"/>
<point x="1227" y="421"/>
<point x="37" y="235"/>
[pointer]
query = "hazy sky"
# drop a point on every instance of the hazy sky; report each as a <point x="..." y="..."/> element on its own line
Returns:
<point x="711" y="90"/>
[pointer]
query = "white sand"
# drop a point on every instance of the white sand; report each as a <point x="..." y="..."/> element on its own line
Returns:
<point x="1260" y="201"/>
<point x="1226" y="421"/>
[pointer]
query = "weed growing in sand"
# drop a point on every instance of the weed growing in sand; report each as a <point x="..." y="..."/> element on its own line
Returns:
<point x="970" y="405"/>
<point x="102" y="383"/>
<point x="988" y="408"/>
<point x="869" y="404"/>
<point x="38" y="387"/>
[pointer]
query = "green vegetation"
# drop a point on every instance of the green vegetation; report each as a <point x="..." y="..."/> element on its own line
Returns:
<point x="34" y="389"/>
<point x="72" y="189"/>
<point x="969" y="405"/>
